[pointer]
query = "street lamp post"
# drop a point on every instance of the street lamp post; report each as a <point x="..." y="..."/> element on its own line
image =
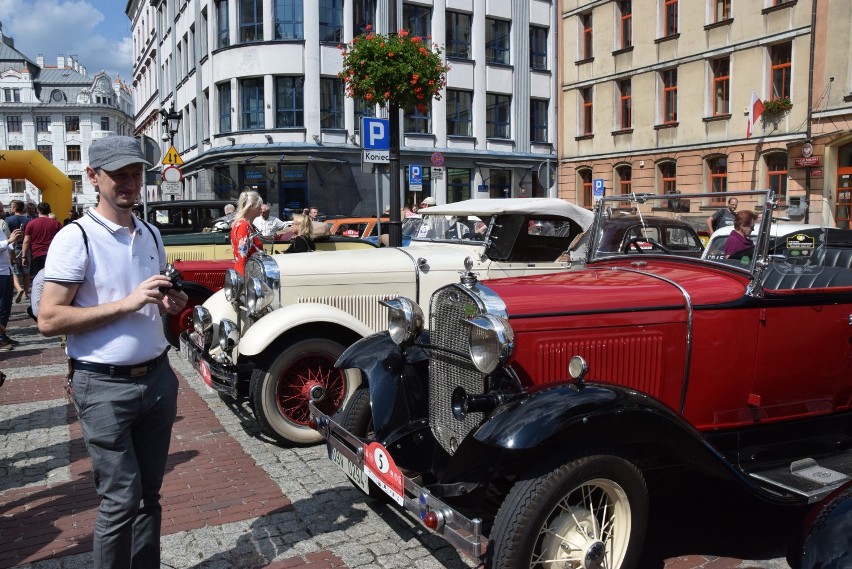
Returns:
<point x="171" y="124"/>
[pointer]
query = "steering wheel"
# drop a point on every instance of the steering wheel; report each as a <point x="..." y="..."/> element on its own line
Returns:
<point x="637" y="240"/>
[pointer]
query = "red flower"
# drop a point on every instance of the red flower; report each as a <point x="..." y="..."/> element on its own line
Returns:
<point x="369" y="96"/>
<point x="402" y="33"/>
<point x="390" y="54"/>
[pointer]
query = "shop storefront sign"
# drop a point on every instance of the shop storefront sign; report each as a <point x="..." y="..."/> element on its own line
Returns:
<point x="805" y="162"/>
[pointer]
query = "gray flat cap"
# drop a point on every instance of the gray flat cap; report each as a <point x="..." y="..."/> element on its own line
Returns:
<point x="115" y="152"/>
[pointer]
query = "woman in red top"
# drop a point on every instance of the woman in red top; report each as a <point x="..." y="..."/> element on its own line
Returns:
<point x="244" y="239"/>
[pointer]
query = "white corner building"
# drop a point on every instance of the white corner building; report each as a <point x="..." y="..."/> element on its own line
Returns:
<point x="58" y="110"/>
<point x="260" y="103"/>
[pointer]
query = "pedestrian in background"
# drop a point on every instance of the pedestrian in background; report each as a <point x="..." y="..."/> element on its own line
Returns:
<point x="20" y="272"/>
<point x="103" y="288"/>
<point x="723" y="217"/>
<point x="7" y="239"/>
<point x="303" y="240"/>
<point x="37" y="237"/>
<point x="268" y="225"/>
<point x="244" y="240"/>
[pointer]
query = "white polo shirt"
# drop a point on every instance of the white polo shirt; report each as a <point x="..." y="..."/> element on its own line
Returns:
<point x="114" y="264"/>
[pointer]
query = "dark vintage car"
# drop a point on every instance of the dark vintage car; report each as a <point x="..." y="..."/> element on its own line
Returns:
<point x="524" y="424"/>
<point x="634" y="234"/>
<point x="184" y="216"/>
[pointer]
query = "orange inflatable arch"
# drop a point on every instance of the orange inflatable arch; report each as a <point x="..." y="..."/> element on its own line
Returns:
<point x="56" y="187"/>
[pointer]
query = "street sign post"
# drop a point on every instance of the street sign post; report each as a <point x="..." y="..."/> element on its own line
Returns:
<point x="172" y="157"/>
<point x="598" y="189"/>
<point x="375" y="141"/>
<point x="170" y="189"/>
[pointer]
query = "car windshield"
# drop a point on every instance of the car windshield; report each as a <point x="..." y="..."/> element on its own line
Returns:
<point x="775" y="251"/>
<point x="670" y="224"/>
<point x="467" y="228"/>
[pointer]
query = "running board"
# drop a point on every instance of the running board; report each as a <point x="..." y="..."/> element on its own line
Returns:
<point x="809" y="478"/>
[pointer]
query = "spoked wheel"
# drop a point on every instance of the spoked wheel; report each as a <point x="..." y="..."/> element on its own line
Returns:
<point x="304" y="372"/>
<point x="588" y="514"/>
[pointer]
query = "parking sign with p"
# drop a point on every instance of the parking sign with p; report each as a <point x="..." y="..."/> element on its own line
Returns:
<point x="375" y="133"/>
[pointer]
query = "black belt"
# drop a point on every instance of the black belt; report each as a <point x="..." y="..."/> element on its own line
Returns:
<point x="136" y="370"/>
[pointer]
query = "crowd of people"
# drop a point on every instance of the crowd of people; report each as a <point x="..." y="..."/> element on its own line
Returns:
<point x="27" y="232"/>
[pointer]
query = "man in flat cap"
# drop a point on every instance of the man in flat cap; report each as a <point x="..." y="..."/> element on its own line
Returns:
<point x="103" y="288"/>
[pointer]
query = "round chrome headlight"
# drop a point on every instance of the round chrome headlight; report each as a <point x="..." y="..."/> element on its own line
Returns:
<point x="229" y="335"/>
<point x="405" y="319"/>
<point x="491" y="341"/>
<point x="202" y="323"/>
<point x="258" y="296"/>
<point x="233" y="286"/>
<point x="201" y="319"/>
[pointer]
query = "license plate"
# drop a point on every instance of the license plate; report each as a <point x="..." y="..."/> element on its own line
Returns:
<point x="355" y="474"/>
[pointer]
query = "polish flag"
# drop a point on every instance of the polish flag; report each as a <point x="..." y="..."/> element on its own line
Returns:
<point x="755" y="109"/>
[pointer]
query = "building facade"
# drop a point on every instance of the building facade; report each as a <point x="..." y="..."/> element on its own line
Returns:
<point x="58" y="110"/>
<point x="256" y="85"/>
<point x="656" y="96"/>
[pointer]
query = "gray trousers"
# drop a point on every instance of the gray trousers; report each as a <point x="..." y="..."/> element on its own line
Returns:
<point x="127" y="427"/>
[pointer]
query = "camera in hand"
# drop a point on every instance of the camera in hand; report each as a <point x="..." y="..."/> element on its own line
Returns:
<point x="174" y="276"/>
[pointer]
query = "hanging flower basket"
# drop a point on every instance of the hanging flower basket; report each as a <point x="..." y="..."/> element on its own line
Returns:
<point x="401" y="69"/>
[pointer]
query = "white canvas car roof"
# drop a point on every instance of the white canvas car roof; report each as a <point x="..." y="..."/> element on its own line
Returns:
<point x="528" y="206"/>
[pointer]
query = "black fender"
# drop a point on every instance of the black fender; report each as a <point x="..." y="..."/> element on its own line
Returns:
<point x="396" y="378"/>
<point x="194" y="288"/>
<point x="560" y="421"/>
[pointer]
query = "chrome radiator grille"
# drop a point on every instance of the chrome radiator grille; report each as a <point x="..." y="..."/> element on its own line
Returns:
<point x="364" y="307"/>
<point x="447" y="371"/>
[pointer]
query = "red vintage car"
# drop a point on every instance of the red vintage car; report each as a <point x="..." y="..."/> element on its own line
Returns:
<point x="524" y="423"/>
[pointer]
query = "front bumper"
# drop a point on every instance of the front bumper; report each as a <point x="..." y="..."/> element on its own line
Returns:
<point x="464" y="533"/>
<point x="223" y="378"/>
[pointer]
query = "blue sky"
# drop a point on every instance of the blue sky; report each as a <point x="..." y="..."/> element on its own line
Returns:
<point x="96" y="31"/>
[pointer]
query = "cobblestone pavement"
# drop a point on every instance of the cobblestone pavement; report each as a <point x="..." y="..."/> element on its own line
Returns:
<point x="233" y="500"/>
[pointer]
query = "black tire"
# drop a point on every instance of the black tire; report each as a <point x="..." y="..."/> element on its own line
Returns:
<point x="357" y="415"/>
<point x="357" y="418"/>
<point x="534" y="524"/>
<point x="282" y="385"/>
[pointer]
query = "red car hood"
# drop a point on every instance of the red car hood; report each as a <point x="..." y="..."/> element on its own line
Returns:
<point x="626" y="286"/>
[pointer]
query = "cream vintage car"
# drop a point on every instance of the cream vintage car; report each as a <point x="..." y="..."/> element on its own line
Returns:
<point x="275" y="335"/>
